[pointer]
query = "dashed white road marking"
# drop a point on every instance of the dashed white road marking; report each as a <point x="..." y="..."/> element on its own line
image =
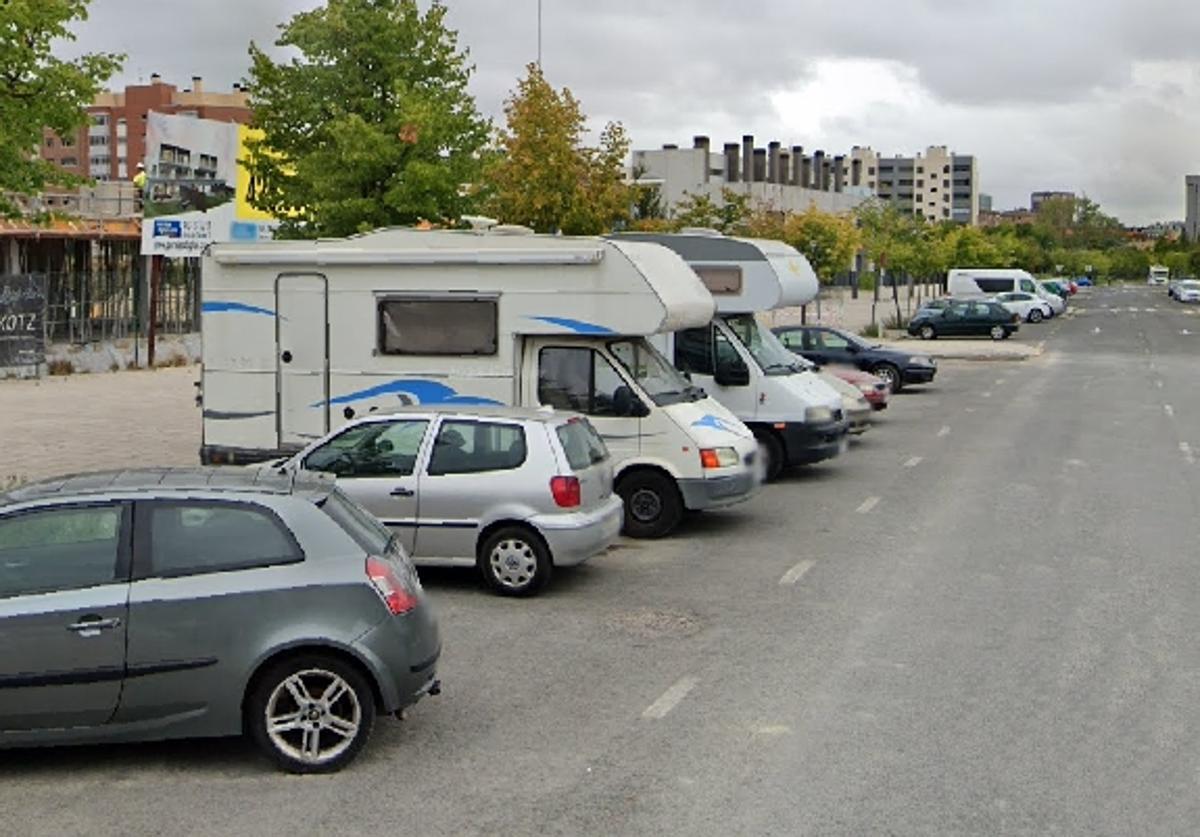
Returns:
<point x="1184" y="331"/>
<point x="796" y="573"/>
<point x="670" y="698"/>
<point x="987" y="394"/>
<point x="1000" y="381"/>
<point x="867" y="505"/>
<point x="1096" y="330"/>
<point x="1168" y="409"/>
<point x="1188" y="455"/>
<point x="945" y="431"/>
<point x="1158" y="383"/>
<point x="913" y="461"/>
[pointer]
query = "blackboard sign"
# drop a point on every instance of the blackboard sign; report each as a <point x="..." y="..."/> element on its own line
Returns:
<point x="22" y="320"/>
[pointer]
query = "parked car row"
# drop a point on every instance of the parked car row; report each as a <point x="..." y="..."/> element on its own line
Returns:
<point x="494" y="422"/>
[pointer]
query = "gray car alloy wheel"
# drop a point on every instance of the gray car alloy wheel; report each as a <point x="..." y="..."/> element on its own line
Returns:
<point x="313" y="716"/>
<point x="998" y="332"/>
<point x="514" y="563"/>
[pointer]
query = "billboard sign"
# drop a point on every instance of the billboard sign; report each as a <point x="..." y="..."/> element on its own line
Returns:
<point x="196" y="187"/>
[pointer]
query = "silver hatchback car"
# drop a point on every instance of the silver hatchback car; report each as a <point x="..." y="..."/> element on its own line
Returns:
<point x="139" y="605"/>
<point x="515" y="492"/>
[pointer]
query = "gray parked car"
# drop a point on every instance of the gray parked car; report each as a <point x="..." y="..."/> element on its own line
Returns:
<point x="514" y="492"/>
<point x="139" y="605"/>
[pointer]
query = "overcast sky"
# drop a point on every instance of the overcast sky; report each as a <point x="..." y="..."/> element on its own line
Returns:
<point x="1095" y="96"/>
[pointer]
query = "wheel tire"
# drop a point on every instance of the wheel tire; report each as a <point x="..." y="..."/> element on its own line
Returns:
<point x="515" y="562"/>
<point x="890" y="373"/>
<point x="653" y="506"/>
<point x="1035" y="316"/>
<point x="927" y="332"/>
<point x="999" y="332"/>
<point x="771" y="452"/>
<point x="271" y="697"/>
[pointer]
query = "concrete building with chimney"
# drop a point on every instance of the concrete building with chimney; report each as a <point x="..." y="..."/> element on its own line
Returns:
<point x="1191" y="196"/>
<point x="113" y="142"/>
<point x="778" y="177"/>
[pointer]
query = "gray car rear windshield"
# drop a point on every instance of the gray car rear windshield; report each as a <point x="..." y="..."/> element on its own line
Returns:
<point x="356" y="522"/>
<point x="582" y="444"/>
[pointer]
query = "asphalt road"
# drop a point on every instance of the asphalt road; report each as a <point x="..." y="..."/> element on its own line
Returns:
<point x="983" y="619"/>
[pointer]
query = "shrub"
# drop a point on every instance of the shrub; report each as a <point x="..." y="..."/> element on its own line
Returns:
<point x="60" y="366"/>
<point x="871" y="330"/>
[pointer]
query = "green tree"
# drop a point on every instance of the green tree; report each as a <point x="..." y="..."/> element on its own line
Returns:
<point x="1128" y="263"/>
<point x="370" y="125"/>
<point x="39" y="91"/>
<point x="827" y="240"/>
<point x="543" y="175"/>
<point x="1178" y="262"/>
<point x="732" y="215"/>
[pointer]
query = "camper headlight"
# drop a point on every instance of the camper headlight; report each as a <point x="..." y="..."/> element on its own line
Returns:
<point x="818" y="415"/>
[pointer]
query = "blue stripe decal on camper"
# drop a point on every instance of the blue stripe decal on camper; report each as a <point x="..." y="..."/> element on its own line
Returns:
<point x="716" y="423"/>
<point x="577" y="326"/>
<point x="413" y="391"/>
<point x="218" y="306"/>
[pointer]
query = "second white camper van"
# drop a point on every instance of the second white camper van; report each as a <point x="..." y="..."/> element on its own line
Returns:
<point x="301" y="335"/>
<point x="797" y="418"/>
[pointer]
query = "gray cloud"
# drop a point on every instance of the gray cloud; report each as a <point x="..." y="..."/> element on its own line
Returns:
<point x="1101" y="96"/>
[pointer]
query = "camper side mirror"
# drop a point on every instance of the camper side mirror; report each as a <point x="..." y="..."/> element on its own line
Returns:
<point x="731" y="372"/>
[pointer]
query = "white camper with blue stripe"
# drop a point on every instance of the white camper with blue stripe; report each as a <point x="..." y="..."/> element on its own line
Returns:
<point x="300" y="336"/>
<point x="797" y="417"/>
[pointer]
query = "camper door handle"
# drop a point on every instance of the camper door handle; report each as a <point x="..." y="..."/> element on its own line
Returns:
<point x="286" y="357"/>
<point x="402" y="492"/>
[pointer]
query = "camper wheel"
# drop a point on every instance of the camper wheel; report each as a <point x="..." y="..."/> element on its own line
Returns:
<point x="653" y="506"/>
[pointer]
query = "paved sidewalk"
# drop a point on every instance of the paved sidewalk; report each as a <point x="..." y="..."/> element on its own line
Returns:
<point x="106" y="420"/>
<point x="954" y="349"/>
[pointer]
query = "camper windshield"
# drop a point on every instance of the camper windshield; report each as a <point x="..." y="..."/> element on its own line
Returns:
<point x="763" y="346"/>
<point x="653" y="373"/>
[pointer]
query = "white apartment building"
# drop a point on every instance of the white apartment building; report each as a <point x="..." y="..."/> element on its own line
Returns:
<point x="939" y="184"/>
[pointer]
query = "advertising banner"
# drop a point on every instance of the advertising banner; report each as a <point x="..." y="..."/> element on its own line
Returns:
<point x="22" y="321"/>
<point x="196" y="190"/>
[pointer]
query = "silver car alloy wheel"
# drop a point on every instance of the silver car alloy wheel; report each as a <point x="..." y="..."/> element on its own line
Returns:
<point x="513" y="563"/>
<point x="313" y="716"/>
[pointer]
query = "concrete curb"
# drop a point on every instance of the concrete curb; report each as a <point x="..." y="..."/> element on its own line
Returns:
<point x="969" y="349"/>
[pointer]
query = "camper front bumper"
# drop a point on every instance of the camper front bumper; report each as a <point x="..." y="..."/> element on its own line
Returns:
<point x="718" y="492"/>
<point x="808" y="443"/>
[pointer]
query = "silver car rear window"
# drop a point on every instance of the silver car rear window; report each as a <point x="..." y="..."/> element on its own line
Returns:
<point x="581" y="443"/>
<point x="356" y="522"/>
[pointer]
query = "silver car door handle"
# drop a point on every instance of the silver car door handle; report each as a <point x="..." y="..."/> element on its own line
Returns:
<point x="402" y="492"/>
<point x="92" y="627"/>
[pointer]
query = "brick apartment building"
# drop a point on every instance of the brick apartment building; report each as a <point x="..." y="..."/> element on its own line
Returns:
<point x="110" y="146"/>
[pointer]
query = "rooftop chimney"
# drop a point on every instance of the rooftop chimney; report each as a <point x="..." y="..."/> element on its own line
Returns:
<point x="197" y="84"/>
<point x="700" y="143"/>
<point x="155" y="78"/>
<point x="731" y="162"/>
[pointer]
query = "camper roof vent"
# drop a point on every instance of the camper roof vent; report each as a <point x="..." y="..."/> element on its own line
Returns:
<point x="510" y="229"/>
<point x="709" y="231"/>
<point x="479" y="223"/>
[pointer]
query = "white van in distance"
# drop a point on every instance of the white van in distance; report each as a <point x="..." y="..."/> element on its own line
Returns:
<point x="302" y="335"/>
<point x="981" y="282"/>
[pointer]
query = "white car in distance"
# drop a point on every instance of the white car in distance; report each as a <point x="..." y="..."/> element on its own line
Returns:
<point x="1186" y="290"/>
<point x="1029" y="307"/>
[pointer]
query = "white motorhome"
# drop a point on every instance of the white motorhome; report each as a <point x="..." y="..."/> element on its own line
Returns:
<point x="1158" y="275"/>
<point x="301" y="335"/>
<point x="796" y="416"/>
<point x="981" y="282"/>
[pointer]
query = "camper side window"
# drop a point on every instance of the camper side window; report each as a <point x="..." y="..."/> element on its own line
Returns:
<point x="994" y="286"/>
<point x="694" y="350"/>
<point x="437" y="326"/>
<point x="582" y="380"/>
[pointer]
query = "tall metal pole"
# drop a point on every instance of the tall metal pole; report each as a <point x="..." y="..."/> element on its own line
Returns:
<point x="539" y="34"/>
